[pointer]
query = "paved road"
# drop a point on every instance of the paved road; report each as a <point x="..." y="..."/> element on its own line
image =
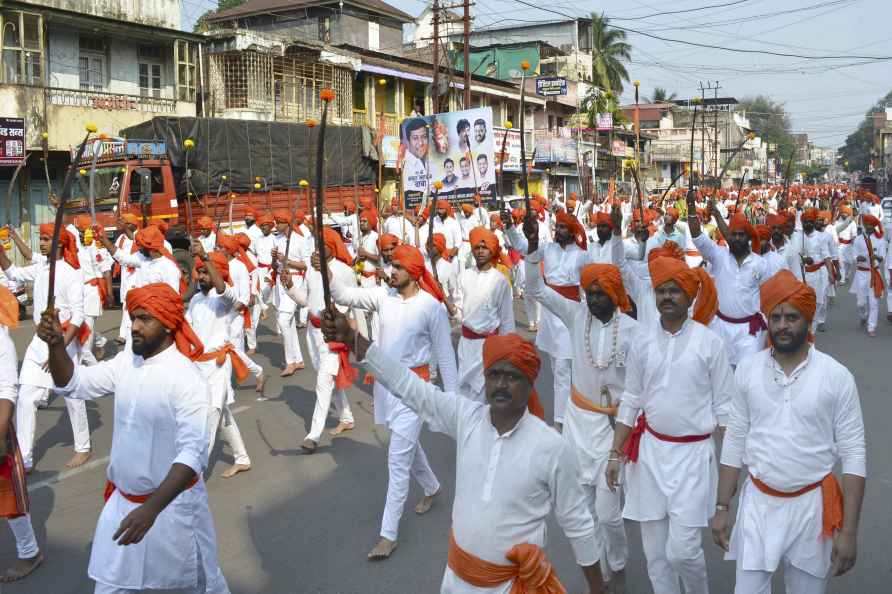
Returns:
<point x="301" y="524"/>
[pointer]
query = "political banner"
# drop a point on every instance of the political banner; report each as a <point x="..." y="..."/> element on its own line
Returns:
<point x="12" y="141"/>
<point x="604" y="122"/>
<point x="512" y="149"/>
<point x="454" y="148"/>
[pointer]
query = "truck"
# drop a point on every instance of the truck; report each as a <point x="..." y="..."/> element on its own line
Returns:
<point x="147" y="170"/>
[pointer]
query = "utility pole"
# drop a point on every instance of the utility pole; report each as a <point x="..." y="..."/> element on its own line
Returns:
<point x="715" y="90"/>
<point x="467" y="53"/>
<point x="435" y="87"/>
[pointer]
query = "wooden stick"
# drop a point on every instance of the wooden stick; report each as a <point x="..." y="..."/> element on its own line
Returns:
<point x="320" y="197"/>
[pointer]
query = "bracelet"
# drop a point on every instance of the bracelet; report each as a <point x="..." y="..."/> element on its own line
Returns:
<point x="722" y="507"/>
<point x="614" y="459"/>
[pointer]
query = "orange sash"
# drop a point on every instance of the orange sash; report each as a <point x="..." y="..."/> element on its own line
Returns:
<point x="876" y="277"/>
<point x="831" y="494"/>
<point x="347" y="374"/>
<point x="99" y="283"/>
<point x="584" y="403"/>
<point x="530" y="571"/>
<point x="14" y="499"/>
<point x="238" y="366"/>
<point x="83" y="333"/>
<point x="814" y="267"/>
<point x="565" y="291"/>
<point x="110" y="488"/>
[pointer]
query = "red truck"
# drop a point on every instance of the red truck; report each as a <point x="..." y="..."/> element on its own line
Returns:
<point x="233" y="164"/>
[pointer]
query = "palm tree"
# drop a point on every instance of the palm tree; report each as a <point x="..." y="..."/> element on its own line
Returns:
<point x="609" y="51"/>
<point x="661" y="95"/>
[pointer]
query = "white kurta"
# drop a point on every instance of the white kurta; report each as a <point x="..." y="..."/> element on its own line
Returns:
<point x="486" y="307"/>
<point x="861" y="280"/>
<point x="161" y="408"/>
<point x="814" y="246"/>
<point x="94" y="262"/>
<point x="210" y="315"/>
<point x="790" y="431"/>
<point x="683" y="383"/>
<point x="737" y="286"/>
<point x="125" y="245"/>
<point x="412" y="326"/>
<point x="298" y="251"/>
<point x="209" y="242"/>
<point x="497" y="507"/>
<point x="150" y="270"/>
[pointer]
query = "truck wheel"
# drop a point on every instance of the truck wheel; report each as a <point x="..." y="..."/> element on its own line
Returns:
<point x="185" y="262"/>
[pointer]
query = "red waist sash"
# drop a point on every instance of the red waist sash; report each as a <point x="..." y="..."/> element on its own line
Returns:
<point x="471" y="335"/>
<point x="633" y="444"/>
<point x="756" y="321"/>
<point x="110" y="488"/>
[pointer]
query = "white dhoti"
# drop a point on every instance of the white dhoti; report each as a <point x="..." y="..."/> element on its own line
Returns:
<point x="739" y="342"/>
<point x="773" y="531"/>
<point x="175" y="552"/>
<point x="554" y="339"/>
<point x="34" y="388"/>
<point x="818" y="280"/>
<point x="326" y="364"/>
<point x="470" y="368"/>
<point x="219" y="414"/>
<point x="868" y="304"/>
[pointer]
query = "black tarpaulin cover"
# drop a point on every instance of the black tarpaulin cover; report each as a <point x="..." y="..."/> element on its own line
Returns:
<point x="243" y="150"/>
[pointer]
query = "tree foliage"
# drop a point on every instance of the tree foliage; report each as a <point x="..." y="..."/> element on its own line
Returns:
<point x="201" y="25"/>
<point x="661" y="95"/>
<point x="609" y="52"/>
<point x="771" y="121"/>
<point x="856" y="150"/>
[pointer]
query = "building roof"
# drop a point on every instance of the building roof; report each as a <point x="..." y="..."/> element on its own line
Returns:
<point x="490" y="29"/>
<point x="255" y="7"/>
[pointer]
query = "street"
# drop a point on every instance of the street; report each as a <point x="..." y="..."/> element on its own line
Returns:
<point x="303" y="524"/>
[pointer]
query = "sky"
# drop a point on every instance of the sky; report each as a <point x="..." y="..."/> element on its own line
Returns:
<point x="826" y="98"/>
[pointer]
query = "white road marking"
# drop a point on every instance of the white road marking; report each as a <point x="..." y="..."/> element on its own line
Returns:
<point x="65" y="474"/>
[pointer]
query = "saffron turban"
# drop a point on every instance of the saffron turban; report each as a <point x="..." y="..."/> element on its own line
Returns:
<point x="517" y="215"/>
<point x="522" y="355"/>
<point x="282" y="215"/>
<point x="603" y="218"/>
<point x="9" y="308"/>
<point x="693" y="281"/>
<point x="441" y="203"/>
<point x="165" y="305"/>
<point x="785" y="287"/>
<point x="669" y="249"/>
<point x="204" y="223"/>
<point x="673" y="212"/>
<point x="250" y="212"/>
<point x="873" y="222"/>
<point x="150" y="238"/>
<point x="776" y="220"/>
<point x="439" y="241"/>
<point x="82" y="222"/>
<point x="572" y="224"/>
<point x="483" y="234"/>
<point x="371" y="215"/>
<point x="387" y="241"/>
<point x="810" y="214"/>
<point x="265" y="219"/>
<point x="467" y="209"/>
<point x="739" y="222"/>
<point x="571" y="204"/>
<point x="220" y="262"/>
<point x="495" y="221"/>
<point x="67" y="244"/>
<point x="228" y="243"/>
<point x="334" y="246"/>
<point x="609" y="279"/>
<point x="244" y="241"/>
<point x="413" y="262"/>
<point x="825" y="215"/>
<point x="130" y="219"/>
<point x="764" y="232"/>
<point x="846" y="210"/>
<point x="349" y="206"/>
<point x="163" y="226"/>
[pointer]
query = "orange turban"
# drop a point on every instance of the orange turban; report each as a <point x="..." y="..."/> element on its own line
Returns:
<point x="411" y="259"/>
<point x="467" y="209"/>
<point x="776" y="220"/>
<point x="846" y="210"/>
<point x="495" y="221"/>
<point x="520" y="353"/>
<point x="387" y="241"/>
<point x="265" y="219"/>
<point x="783" y="287"/>
<point x="349" y="206"/>
<point x="166" y="305"/>
<point x="873" y="222"/>
<point x="244" y="241"/>
<point x="571" y="204"/>
<point x="483" y="234"/>
<point x="282" y="215"/>
<point x="609" y="279"/>
<point x="573" y="225"/>
<point x="228" y="243"/>
<point x="764" y="232"/>
<point x="810" y="214"/>
<point x="826" y="215"/>
<point x="67" y="244"/>
<point x="163" y="226"/>
<point x="130" y="218"/>
<point x="334" y="246"/>
<point x="82" y="222"/>
<point x="669" y="249"/>
<point x="441" y="203"/>
<point x="371" y="215"/>
<point x="221" y="263"/>
<point x="439" y="241"/>
<point x="250" y="212"/>
<point x="603" y="218"/>
<point x="739" y="222"/>
<point x="517" y="215"/>
<point x="204" y="224"/>
<point x="9" y="308"/>
<point x="691" y="281"/>
<point x="673" y="212"/>
<point x="151" y="238"/>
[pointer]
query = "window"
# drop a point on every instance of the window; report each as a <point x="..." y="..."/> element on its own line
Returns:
<point x="22" y="47"/>
<point x="150" y="80"/>
<point x="91" y="63"/>
<point x="325" y="29"/>
<point x="374" y="36"/>
<point x="185" y="59"/>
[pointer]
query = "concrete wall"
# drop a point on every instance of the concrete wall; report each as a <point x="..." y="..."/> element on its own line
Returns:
<point x="556" y="34"/>
<point x="157" y="13"/>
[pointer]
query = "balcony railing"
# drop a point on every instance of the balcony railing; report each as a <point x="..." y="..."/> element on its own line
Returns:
<point x="109" y="101"/>
<point x="361" y="117"/>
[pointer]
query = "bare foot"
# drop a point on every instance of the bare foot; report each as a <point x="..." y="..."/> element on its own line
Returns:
<point x="382" y="550"/>
<point x="79" y="459"/>
<point x="259" y="384"/>
<point x="424" y="506"/>
<point x="235" y="469"/>
<point x="342" y="426"/>
<point x="308" y="446"/>
<point x="22" y="568"/>
<point x="252" y="351"/>
<point x="288" y="371"/>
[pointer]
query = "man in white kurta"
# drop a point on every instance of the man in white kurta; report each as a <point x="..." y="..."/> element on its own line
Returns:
<point x="600" y="346"/>
<point x="485" y="307"/>
<point x="210" y="313"/>
<point x="34" y="381"/>
<point x="817" y="264"/>
<point x="795" y="414"/>
<point x="326" y="362"/>
<point x="152" y="263"/>
<point x="679" y="380"/>
<point x="262" y="245"/>
<point x="127" y="225"/>
<point x="416" y="322"/>
<point x="95" y="265"/>
<point x="866" y="261"/>
<point x="159" y="439"/>
<point x="286" y="316"/>
<point x="738" y="273"/>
